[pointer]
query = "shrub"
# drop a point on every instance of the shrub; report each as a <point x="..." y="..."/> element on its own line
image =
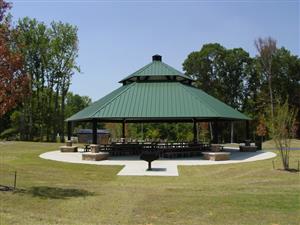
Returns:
<point x="8" y="134"/>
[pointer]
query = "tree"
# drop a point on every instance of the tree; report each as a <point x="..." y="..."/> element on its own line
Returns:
<point x="49" y="54"/>
<point x="285" y="82"/>
<point x="13" y="79"/>
<point x="281" y="128"/>
<point x="37" y="111"/>
<point x="205" y="66"/>
<point x="64" y="46"/>
<point x="267" y="49"/>
<point x="222" y="73"/>
<point x="234" y="75"/>
<point x="286" y="76"/>
<point x="75" y="103"/>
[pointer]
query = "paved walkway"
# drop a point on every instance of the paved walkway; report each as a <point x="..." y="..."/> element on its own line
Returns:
<point x="133" y="166"/>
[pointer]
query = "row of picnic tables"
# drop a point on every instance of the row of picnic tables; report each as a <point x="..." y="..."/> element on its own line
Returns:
<point x="166" y="149"/>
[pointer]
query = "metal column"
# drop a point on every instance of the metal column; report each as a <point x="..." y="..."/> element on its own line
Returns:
<point x="195" y="130"/>
<point x="247" y="130"/>
<point x="94" y="131"/>
<point x="69" y="130"/>
<point x="216" y="132"/>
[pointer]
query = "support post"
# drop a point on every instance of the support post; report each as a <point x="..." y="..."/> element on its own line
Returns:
<point x="149" y="165"/>
<point x="216" y="132"/>
<point x="69" y="130"/>
<point x="231" y="132"/>
<point x="94" y="131"/>
<point x="195" y="130"/>
<point x="247" y="130"/>
<point x="198" y="130"/>
<point x="142" y="131"/>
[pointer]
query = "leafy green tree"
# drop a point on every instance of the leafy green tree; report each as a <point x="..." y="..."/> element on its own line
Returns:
<point x="285" y="83"/>
<point x="33" y="36"/>
<point x="233" y="76"/>
<point x="49" y="54"/>
<point x="286" y="76"/>
<point x="75" y="103"/>
<point x="206" y="66"/>
<point x="64" y="51"/>
<point x="153" y="133"/>
<point x="221" y="72"/>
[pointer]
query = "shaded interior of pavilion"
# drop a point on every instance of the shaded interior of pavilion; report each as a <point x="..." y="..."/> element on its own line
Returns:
<point x="127" y="145"/>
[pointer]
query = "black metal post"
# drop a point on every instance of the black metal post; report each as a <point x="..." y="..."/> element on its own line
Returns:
<point x="149" y="166"/>
<point x="247" y="130"/>
<point x="123" y="129"/>
<point x="69" y="130"/>
<point x="15" y="181"/>
<point x="195" y="131"/>
<point x="94" y="131"/>
<point x="215" y="132"/>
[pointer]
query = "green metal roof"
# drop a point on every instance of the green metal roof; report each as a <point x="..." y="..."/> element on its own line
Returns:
<point x="158" y="101"/>
<point x="156" y="70"/>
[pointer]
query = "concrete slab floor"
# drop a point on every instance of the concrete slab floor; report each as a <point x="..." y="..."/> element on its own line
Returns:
<point x="133" y="166"/>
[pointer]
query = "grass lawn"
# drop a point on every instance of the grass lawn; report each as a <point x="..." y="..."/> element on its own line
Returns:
<point x="295" y="143"/>
<point x="62" y="193"/>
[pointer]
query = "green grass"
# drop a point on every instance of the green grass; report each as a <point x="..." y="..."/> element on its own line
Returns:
<point x="61" y="193"/>
<point x="295" y="143"/>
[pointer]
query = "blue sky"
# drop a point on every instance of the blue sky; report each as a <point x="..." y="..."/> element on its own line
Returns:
<point x="118" y="37"/>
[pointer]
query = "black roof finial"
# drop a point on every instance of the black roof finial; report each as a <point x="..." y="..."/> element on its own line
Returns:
<point x="156" y="58"/>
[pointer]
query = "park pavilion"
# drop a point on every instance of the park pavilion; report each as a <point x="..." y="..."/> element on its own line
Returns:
<point x="157" y="93"/>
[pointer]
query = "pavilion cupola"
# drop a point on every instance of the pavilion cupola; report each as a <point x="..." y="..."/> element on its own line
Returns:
<point x="157" y="71"/>
<point x="156" y="58"/>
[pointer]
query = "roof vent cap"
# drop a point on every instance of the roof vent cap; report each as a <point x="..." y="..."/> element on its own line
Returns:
<point x="156" y="58"/>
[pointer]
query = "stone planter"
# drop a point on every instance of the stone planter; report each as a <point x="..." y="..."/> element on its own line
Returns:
<point x="216" y="156"/>
<point x="94" y="148"/>
<point x="95" y="156"/>
<point x="68" y="147"/>
<point x="69" y="143"/>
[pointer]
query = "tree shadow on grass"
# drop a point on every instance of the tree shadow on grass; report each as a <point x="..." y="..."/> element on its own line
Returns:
<point x="55" y="192"/>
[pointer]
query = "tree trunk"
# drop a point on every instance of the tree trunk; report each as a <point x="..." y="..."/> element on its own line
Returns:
<point x="62" y="120"/>
<point x="55" y="115"/>
<point x="62" y="114"/>
<point x="49" y="109"/>
<point x="271" y="94"/>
